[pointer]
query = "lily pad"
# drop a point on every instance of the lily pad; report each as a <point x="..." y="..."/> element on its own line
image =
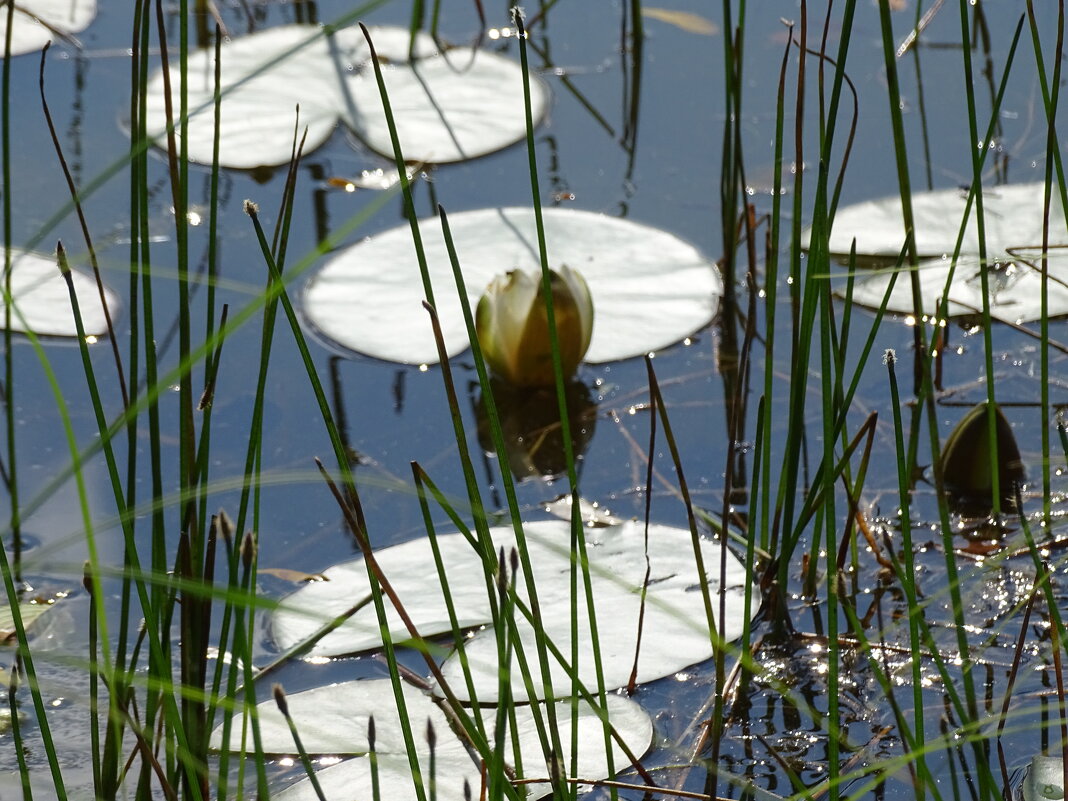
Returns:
<point x="675" y="633"/>
<point x="352" y="779"/>
<point x="42" y="297"/>
<point x="266" y="76"/>
<point x="29" y="611"/>
<point x="649" y="288"/>
<point x="1015" y="289"/>
<point x="592" y="514"/>
<point x="1045" y="779"/>
<point x="448" y="107"/>
<point x="37" y="22"/>
<point x="1012" y="217"/>
<point x="334" y="720"/>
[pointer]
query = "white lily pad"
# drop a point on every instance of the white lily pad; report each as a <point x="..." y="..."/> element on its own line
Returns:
<point x="42" y="297"/>
<point x="591" y="513"/>
<point x="266" y="76"/>
<point x="448" y="107"/>
<point x="36" y="22"/>
<point x="352" y="779"/>
<point x="29" y="612"/>
<point x="334" y="719"/>
<point x="1012" y="217"/>
<point x="649" y="288"/>
<point x="1044" y="780"/>
<point x="675" y="631"/>
<point x="1015" y="289"/>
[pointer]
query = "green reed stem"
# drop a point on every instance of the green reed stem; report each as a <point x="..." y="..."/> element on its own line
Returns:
<point x="305" y="761"/>
<point x="580" y="560"/>
<point x="9" y="356"/>
<point x="923" y="382"/>
<point x="547" y="733"/>
<point x="975" y="146"/>
<point x="1052" y="154"/>
<point x="769" y="539"/>
<point x="353" y="515"/>
<point x="422" y="483"/>
<point x="908" y="583"/>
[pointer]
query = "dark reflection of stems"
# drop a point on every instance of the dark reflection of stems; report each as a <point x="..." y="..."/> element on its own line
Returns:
<point x="398" y="390"/>
<point x="552" y="171"/>
<point x="9" y="356"/>
<point x="733" y="363"/>
<point x="732" y="183"/>
<point x="74" y="130"/>
<point x="319" y="209"/>
<point x="341" y="417"/>
<point x="432" y="196"/>
<point x="547" y="66"/>
<point x="923" y="107"/>
<point x="196" y="279"/>
<point x="202" y="18"/>
<point x="544" y="6"/>
<point x="306" y="12"/>
<point x="632" y="80"/>
<point x="530" y="422"/>
<point x="1001" y="157"/>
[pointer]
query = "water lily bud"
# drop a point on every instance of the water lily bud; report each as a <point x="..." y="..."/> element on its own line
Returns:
<point x="513" y="325"/>
<point x="966" y="460"/>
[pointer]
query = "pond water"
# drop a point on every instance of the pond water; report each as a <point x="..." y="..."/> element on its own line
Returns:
<point x="644" y="145"/>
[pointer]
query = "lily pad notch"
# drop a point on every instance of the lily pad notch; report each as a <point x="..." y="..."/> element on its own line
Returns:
<point x="649" y="288"/>
<point x="449" y="106"/>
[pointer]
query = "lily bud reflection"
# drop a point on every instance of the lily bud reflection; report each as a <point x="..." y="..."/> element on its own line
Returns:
<point x="513" y="325"/>
<point x="530" y="422"/>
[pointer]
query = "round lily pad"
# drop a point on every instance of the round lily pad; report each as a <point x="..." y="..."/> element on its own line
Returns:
<point x="36" y="22"/>
<point x="675" y="631"/>
<point x="448" y="106"/>
<point x="1012" y="217"/>
<point x="1015" y="288"/>
<point x="649" y="288"/>
<point x="265" y="77"/>
<point x="42" y="298"/>
<point x="1044" y="780"/>
<point x="334" y="720"/>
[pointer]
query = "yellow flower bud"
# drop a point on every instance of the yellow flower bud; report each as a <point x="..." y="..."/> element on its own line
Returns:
<point x="513" y="325"/>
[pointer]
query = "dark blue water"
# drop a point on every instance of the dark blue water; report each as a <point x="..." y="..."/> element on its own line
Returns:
<point x="662" y="168"/>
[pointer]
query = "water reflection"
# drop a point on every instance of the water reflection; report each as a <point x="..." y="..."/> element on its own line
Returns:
<point x="530" y="422"/>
